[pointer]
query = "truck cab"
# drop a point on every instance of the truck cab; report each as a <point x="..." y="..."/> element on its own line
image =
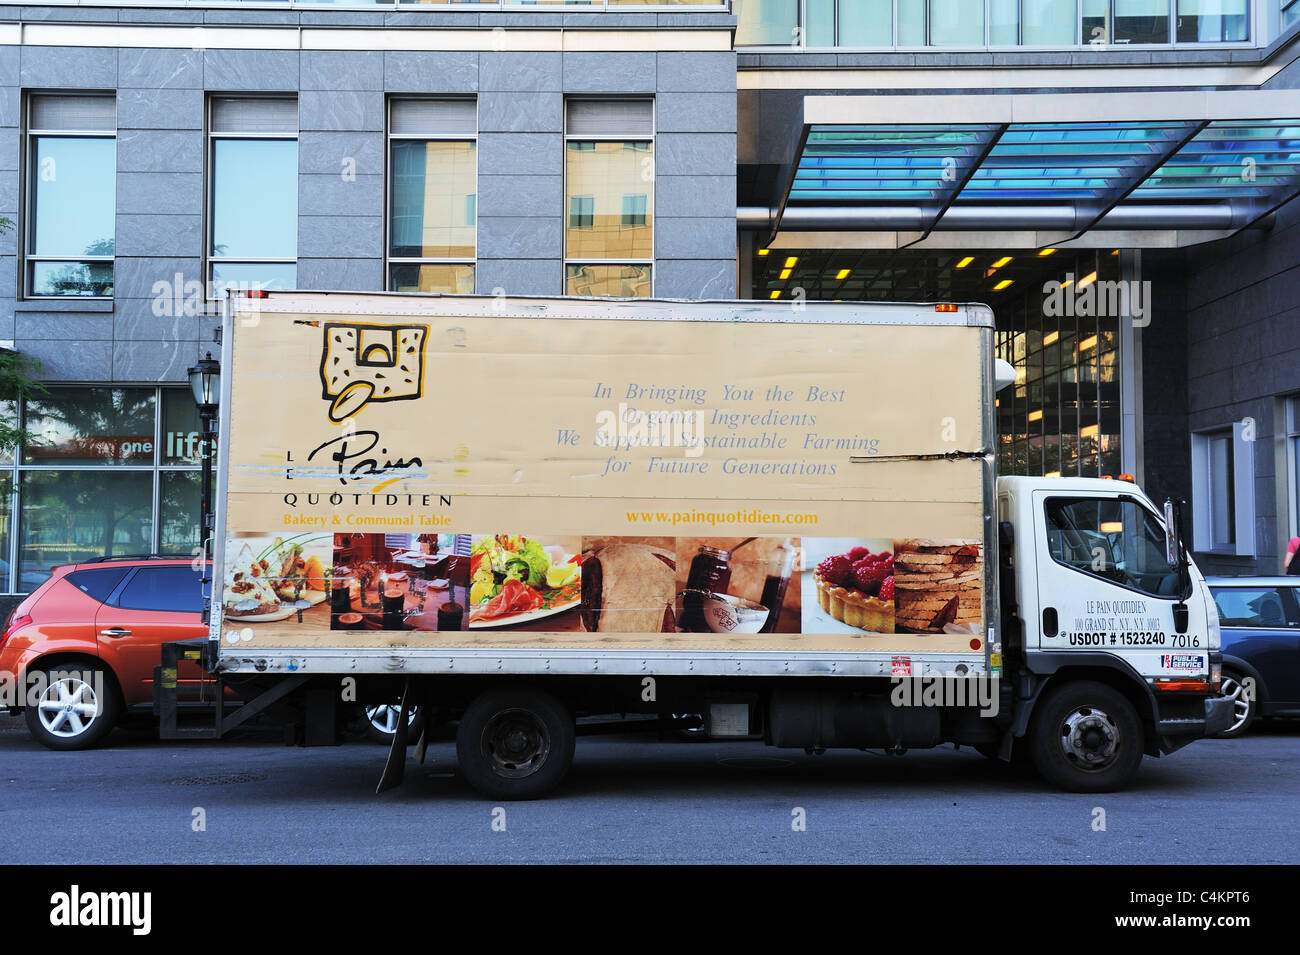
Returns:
<point x="1110" y="633"/>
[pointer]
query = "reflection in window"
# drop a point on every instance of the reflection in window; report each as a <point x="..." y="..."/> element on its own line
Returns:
<point x="956" y="23"/>
<point x="72" y="171"/>
<point x="1048" y="23"/>
<point x="71" y="516"/>
<point x="609" y="182"/>
<point x="253" y="239"/>
<point x="433" y="208"/>
<point x="92" y="426"/>
<point x="111" y="471"/>
<point x="621" y="281"/>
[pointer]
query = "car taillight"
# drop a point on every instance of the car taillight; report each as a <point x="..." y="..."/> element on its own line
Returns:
<point x="14" y="624"/>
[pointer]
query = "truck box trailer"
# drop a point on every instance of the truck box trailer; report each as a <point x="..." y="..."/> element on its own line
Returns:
<point x="784" y="518"/>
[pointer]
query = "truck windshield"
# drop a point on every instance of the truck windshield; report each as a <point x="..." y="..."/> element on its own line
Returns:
<point x="1115" y="539"/>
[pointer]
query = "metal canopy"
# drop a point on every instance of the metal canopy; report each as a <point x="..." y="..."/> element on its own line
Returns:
<point x="1205" y="160"/>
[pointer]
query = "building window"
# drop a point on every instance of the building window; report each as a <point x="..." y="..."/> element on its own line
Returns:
<point x="609" y="186"/>
<point x="1212" y="21"/>
<point x="1290" y="13"/>
<point x="433" y="195"/>
<point x="821" y="24"/>
<point x="71" y="195"/>
<point x="253" y="193"/>
<point x="1223" y="490"/>
<point x="110" y="471"/>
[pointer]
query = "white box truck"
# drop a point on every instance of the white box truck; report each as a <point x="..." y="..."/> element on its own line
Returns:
<point x="756" y="520"/>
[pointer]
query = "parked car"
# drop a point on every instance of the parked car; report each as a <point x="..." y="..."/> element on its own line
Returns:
<point x="1260" y="618"/>
<point x="88" y="640"/>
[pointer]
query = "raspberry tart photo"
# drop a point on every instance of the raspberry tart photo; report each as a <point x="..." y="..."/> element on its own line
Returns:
<point x="855" y="587"/>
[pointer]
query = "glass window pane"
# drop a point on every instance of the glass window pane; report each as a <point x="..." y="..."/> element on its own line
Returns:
<point x="1117" y="540"/>
<point x="71" y="278"/>
<point x="255" y="198"/>
<point x="622" y="281"/>
<point x="1212" y="21"/>
<point x="178" y="493"/>
<point x="911" y="22"/>
<point x="73" y="192"/>
<point x="607" y="177"/>
<point x="181" y="429"/>
<point x="98" y="584"/>
<point x="1222" y="503"/>
<point x="173" y="589"/>
<point x="243" y="277"/>
<point x="1142" y="21"/>
<point x="8" y="424"/>
<point x="866" y="23"/>
<point x="70" y="516"/>
<point x="449" y="278"/>
<point x="956" y="23"/>
<point x="820" y="27"/>
<point x="434" y="199"/>
<point x="1242" y="607"/>
<point x="1004" y="28"/>
<point x="91" y="426"/>
<point x="766" y="22"/>
<point x="1095" y="21"/>
<point x="1049" y="23"/>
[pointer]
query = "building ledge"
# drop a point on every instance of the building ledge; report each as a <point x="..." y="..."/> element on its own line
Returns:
<point x="98" y="305"/>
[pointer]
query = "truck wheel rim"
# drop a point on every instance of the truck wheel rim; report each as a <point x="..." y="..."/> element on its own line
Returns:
<point x="1234" y="691"/>
<point x="515" y="743"/>
<point x="68" y="707"/>
<point x="384" y="718"/>
<point x="1090" y="739"/>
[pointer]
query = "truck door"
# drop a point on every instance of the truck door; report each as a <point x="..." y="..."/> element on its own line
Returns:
<point x="1105" y="585"/>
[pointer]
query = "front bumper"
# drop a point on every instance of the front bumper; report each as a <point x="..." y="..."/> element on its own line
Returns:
<point x="1179" y="722"/>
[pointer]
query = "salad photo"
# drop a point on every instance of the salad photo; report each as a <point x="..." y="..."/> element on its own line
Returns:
<point x="520" y="581"/>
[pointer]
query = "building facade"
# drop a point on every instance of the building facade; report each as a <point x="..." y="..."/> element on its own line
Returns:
<point x="152" y="156"/>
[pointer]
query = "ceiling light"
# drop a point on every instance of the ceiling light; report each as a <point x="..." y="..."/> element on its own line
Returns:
<point x="1087" y="280"/>
<point x="775" y="294"/>
<point x="966" y="261"/>
<point x="764" y="251"/>
<point x="785" y="274"/>
<point x="843" y="274"/>
<point x="1045" y="252"/>
<point x="1087" y="343"/>
<point x="1003" y="284"/>
<point x="1050" y="338"/>
<point x="1036" y="415"/>
<point x="792" y="261"/>
<point x="1002" y="261"/>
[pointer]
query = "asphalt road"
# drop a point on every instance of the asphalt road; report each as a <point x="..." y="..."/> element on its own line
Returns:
<point x="135" y="801"/>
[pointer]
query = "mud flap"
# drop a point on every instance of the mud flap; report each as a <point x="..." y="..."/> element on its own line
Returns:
<point x="395" y="768"/>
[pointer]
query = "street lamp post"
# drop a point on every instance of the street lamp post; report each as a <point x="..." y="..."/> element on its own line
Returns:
<point x="205" y="382"/>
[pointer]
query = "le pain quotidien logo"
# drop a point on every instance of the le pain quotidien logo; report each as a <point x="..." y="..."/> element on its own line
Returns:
<point x="363" y="364"/>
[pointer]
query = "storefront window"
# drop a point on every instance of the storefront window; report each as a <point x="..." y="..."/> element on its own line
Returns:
<point x="1212" y="21"/>
<point x="1141" y="21"/>
<point x="70" y="516"/>
<point x="766" y="22"/>
<point x="92" y="426"/>
<point x="109" y="471"/>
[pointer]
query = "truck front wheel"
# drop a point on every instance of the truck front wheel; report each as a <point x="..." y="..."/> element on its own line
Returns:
<point x="1086" y="738"/>
<point x="515" y="743"/>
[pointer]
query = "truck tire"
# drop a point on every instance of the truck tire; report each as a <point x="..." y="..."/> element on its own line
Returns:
<point x="515" y="743"/>
<point x="78" y="707"/>
<point x="1086" y="738"/>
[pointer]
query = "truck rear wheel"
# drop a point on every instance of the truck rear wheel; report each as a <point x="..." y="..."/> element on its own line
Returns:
<point x="1086" y="738"/>
<point x="515" y="743"/>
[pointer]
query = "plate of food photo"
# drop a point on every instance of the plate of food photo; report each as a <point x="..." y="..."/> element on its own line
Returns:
<point x="516" y="580"/>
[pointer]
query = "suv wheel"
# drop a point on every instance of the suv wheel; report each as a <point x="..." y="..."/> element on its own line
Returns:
<point x="1240" y="690"/>
<point x="381" y="722"/>
<point x="77" y="708"/>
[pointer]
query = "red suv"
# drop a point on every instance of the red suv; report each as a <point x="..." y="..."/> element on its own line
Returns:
<point x="81" y="650"/>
